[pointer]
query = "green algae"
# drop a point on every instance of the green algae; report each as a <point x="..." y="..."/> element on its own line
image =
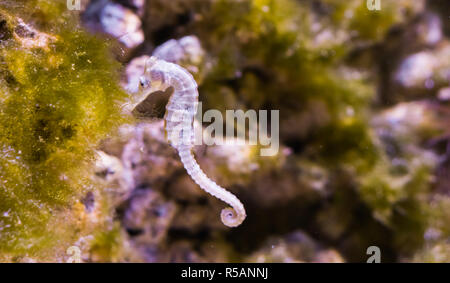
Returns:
<point x="107" y="245"/>
<point x="57" y="102"/>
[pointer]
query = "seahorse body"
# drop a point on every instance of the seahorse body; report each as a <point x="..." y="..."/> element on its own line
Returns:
<point x="179" y="125"/>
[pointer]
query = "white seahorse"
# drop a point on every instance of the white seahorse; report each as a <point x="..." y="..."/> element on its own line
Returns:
<point x="179" y="119"/>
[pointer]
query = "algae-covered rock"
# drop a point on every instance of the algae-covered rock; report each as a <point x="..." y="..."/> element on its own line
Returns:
<point x="361" y="161"/>
<point x="295" y="247"/>
<point x="115" y="20"/>
<point x="351" y="174"/>
<point x="59" y="96"/>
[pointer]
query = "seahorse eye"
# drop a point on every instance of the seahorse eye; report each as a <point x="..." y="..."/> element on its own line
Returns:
<point x="143" y="82"/>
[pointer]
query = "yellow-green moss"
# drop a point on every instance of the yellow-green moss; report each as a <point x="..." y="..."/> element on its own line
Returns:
<point x="107" y="245"/>
<point x="56" y="103"/>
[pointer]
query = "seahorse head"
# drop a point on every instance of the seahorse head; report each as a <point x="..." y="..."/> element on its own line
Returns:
<point x="153" y="78"/>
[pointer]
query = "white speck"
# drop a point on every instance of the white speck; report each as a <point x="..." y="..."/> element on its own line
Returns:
<point x="444" y="94"/>
<point x="416" y="68"/>
<point x="6" y="213"/>
<point x="350" y="111"/>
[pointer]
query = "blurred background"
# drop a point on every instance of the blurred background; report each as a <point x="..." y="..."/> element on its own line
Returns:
<point x="363" y="95"/>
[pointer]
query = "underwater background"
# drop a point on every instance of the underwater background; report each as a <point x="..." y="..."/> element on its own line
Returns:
<point x="364" y="106"/>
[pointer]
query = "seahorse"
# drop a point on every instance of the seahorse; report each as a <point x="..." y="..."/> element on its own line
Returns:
<point x="179" y="127"/>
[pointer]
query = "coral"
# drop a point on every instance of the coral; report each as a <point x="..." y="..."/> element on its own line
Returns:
<point x="116" y="20"/>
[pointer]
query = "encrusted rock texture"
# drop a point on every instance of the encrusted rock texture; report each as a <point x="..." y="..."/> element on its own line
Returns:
<point x="363" y="97"/>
